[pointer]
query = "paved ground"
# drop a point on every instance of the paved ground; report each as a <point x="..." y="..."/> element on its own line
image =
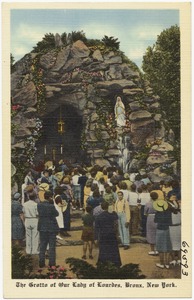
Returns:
<point x="137" y="254"/>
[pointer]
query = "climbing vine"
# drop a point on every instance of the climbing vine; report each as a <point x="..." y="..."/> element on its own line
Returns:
<point x="14" y="111"/>
<point x="23" y="159"/>
<point x="37" y="73"/>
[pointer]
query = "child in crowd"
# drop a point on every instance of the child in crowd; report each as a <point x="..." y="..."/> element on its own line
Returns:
<point x="88" y="232"/>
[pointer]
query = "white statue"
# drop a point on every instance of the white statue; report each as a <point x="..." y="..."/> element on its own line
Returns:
<point x="120" y="112"/>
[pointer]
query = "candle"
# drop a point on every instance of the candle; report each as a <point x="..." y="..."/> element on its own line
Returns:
<point x="61" y="149"/>
<point x="45" y="149"/>
<point x="54" y="151"/>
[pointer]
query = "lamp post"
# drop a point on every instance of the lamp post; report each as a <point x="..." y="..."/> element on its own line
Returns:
<point x="54" y="154"/>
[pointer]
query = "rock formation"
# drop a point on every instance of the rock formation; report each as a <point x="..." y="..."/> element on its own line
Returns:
<point x="88" y="80"/>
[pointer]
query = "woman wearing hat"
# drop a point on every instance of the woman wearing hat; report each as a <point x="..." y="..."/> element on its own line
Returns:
<point x="28" y="180"/>
<point x="163" y="241"/>
<point x="17" y="220"/>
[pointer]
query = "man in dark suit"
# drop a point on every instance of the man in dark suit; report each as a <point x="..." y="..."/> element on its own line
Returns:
<point x="107" y="239"/>
<point x="48" y="228"/>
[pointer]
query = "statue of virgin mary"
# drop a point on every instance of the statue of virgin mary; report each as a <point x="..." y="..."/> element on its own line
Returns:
<point x="120" y="112"/>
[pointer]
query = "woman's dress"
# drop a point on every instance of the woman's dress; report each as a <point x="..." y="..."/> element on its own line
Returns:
<point x="17" y="226"/>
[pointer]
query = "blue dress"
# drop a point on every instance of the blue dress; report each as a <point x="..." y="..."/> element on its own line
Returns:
<point x="150" y="225"/>
<point x="17" y="226"/>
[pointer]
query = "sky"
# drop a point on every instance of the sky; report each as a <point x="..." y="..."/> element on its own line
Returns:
<point x="135" y="29"/>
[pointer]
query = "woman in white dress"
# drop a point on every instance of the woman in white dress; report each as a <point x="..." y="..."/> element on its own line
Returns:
<point x="120" y="112"/>
<point x="59" y="205"/>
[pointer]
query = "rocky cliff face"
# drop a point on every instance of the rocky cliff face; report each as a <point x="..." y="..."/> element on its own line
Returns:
<point x="88" y="80"/>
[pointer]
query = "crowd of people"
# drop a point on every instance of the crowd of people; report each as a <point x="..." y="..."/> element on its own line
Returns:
<point x="114" y="205"/>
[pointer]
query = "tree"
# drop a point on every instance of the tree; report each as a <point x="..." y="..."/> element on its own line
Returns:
<point x="64" y="38"/>
<point x="47" y="43"/>
<point x="78" y="35"/>
<point x="12" y="60"/>
<point x="161" y="65"/>
<point x="111" y="42"/>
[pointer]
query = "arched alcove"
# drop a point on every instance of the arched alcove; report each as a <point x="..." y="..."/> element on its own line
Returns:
<point x="53" y="145"/>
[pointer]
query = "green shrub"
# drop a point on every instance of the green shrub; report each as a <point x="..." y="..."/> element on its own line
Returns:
<point x="21" y="263"/>
<point x="78" y="35"/>
<point x="47" y="43"/>
<point x="84" y="270"/>
<point x="111" y="42"/>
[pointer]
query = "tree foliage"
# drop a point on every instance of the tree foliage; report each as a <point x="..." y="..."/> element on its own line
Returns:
<point x="12" y="60"/>
<point x="161" y="65"/>
<point x="108" y="270"/>
<point x="64" y="38"/>
<point x="21" y="263"/>
<point x="111" y="42"/>
<point x="94" y="42"/>
<point x="47" y="43"/>
<point x="78" y="35"/>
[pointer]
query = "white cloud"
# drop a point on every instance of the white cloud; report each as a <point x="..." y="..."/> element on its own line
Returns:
<point x="27" y="33"/>
<point x="147" y="32"/>
<point x="135" y="41"/>
<point x="19" y="50"/>
<point x="25" y="37"/>
<point x="134" y="54"/>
